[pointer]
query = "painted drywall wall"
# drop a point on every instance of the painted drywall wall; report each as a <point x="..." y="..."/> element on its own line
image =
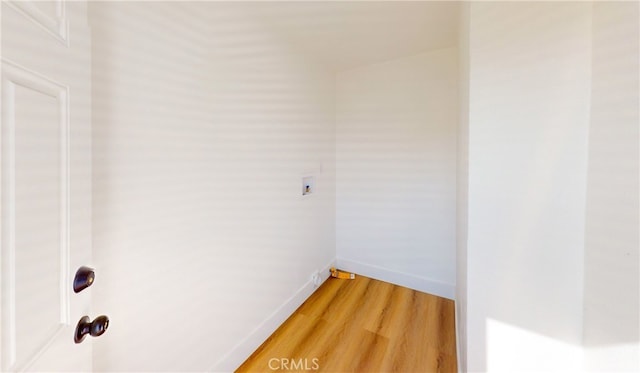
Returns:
<point x="528" y="123"/>
<point x="349" y="34"/>
<point x="396" y="125"/>
<point x="462" y="186"/>
<point x="612" y="258"/>
<point x="204" y="125"/>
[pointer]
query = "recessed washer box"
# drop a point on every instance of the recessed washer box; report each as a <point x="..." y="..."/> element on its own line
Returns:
<point x="308" y="185"/>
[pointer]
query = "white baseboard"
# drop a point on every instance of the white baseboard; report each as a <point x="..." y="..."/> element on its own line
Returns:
<point x="232" y="360"/>
<point x="423" y="284"/>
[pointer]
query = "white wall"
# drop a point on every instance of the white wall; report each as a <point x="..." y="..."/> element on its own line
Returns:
<point x="528" y="125"/>
<point x="612" y="283"/>
<point x="203" y="128"/>
<point x="396" y="126"/>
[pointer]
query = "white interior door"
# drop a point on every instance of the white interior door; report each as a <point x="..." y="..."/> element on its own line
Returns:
<point x="45" y="152"/>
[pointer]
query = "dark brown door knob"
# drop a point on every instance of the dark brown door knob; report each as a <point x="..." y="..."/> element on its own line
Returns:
<point x="94" y="328"/>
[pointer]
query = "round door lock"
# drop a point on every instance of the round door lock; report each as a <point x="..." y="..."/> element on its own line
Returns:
<point x="83" y="279"/>
<point x="94" y="328"/>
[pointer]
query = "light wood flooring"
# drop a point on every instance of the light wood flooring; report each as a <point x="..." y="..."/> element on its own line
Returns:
<point x="362" y="325"/>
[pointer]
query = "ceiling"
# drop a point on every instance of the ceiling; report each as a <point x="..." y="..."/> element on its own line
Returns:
<point x="344" y="35"/>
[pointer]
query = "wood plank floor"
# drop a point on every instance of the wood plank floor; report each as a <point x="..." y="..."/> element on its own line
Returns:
<point x="362" y="325"/>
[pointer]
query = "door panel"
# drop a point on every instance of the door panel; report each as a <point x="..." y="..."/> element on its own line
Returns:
<point x="35" y="229"/>
<point x="49" y="15"/>
<point x="45" y="153"/>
